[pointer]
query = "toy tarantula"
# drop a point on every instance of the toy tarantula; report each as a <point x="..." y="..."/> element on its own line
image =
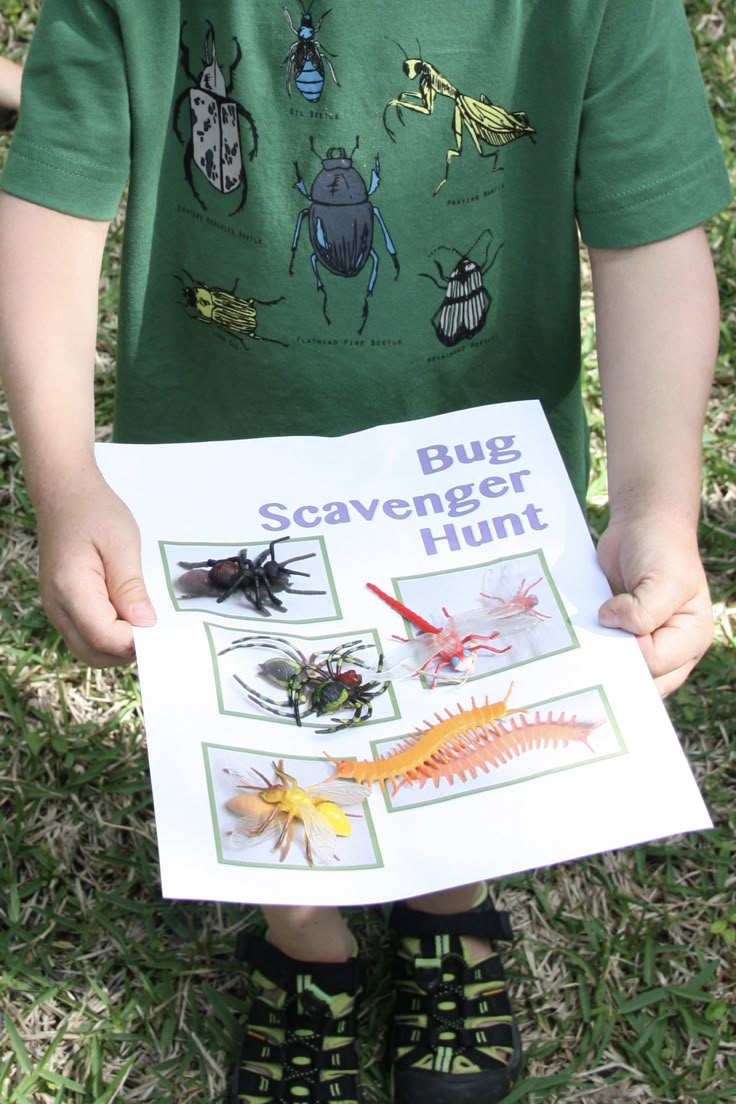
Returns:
<point x="257" y="579"/>
<point x="321" y="684"/>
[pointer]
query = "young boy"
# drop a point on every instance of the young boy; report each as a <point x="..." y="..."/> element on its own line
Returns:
<point x="338" y="222"/>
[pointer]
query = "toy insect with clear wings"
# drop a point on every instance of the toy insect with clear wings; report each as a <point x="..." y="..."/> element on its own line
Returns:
<point x="447" y="652"/>
<point x="278" y="809"/>
<point x="512" y="613"/>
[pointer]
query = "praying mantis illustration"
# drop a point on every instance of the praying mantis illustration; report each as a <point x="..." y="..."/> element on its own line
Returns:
<point x="487" y="123"/>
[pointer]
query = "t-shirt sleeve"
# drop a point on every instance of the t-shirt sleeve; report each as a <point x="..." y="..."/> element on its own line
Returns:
<point x="649" y="161"/>
<point x="71" y="149"/>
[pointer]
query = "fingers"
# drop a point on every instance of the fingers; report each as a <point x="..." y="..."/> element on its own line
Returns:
<point x="670" y="682"/>
<point x="94" y="593"/>
<point x="127" y="590"/>
<point x="98" y="641"/>
<point x="78" y="606"/>
<point x="650" y="604"/>
<point x="673" y="634"/>
<point x="661" y="594"/>
<point x="673" y="650"/>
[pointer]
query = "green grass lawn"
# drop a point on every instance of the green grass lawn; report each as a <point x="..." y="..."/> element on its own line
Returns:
<point x="624" y="971"/>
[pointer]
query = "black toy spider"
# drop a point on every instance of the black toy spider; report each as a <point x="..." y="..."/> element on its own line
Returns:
<point x="257" y="578"/>
<point x="320" y="684"/>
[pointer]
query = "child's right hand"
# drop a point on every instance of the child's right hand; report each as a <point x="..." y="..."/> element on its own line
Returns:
<point x="90" y="572"/>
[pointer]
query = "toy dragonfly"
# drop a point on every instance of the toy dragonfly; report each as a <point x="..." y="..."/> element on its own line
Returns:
<point x="452" y="647"/>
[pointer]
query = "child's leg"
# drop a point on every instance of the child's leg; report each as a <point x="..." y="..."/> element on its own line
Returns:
<point x="10" y="75"/>
<point x="308" y="933"/>
<point x="460" y="899"/>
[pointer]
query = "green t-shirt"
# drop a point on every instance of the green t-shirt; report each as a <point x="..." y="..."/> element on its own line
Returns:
<point x="358" y="213"/>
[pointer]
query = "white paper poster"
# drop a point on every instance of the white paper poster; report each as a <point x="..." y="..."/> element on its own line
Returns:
<point x="316" y="739"/>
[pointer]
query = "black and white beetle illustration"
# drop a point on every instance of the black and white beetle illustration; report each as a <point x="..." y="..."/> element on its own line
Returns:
<point x="305" y="61"/>
<point x="464" y="309"/>
<point x="214" y="144"/>
<point x="341" y="219"/>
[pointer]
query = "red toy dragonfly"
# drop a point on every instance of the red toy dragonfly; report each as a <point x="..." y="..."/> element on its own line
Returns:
<point x="446" y="646"/>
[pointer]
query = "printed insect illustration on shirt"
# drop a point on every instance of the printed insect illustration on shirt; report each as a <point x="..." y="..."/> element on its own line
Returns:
<point x="214" y="142"/>
<point x="341" y="221"/>
<point x="487" y="123"/>
<point x="257" y="578"/>
<point x="281" y="809"/>
<point x="226" y="310"/>
<point x="452" y="649"/>
<point x="323" y="684"/>
<point x="460" y="744"/>
<point x="307" y="57"/>
<point x="466" y="302"/>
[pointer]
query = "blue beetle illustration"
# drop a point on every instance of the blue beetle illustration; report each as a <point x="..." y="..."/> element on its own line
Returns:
<point x="305" y="61"/>
<point x="214" y="144"/>
<point x="341" y="220"/>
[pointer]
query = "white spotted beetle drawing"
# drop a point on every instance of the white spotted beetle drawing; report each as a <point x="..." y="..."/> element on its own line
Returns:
<point x="214" y="144"/>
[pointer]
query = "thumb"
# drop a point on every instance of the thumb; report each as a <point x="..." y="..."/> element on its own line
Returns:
<point x="128" y="593"/>
<point x="650" y="605"/>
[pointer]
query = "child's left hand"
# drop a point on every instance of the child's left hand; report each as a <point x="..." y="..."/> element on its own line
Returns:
<point x="661" y="595"/>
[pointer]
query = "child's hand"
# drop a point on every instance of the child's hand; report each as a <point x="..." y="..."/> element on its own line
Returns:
<point x="90" y="571"/>
<point x="661" y="595"/>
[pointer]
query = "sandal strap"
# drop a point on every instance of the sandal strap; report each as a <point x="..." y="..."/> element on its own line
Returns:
<point x="427" y="968"/>
<point x="333" y="977"/>
<point x="465" y="1038"/>
<point x="438" y="983"/>
<point x="299" y="1054"/>
<point x="485" y="921"/>
<point x="276" y="1091"/>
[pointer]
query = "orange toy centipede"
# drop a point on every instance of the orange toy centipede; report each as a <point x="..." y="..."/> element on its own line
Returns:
<point x="508" y="743"/>
<point x="463" y="743"/>
<point x="455" y="732"/>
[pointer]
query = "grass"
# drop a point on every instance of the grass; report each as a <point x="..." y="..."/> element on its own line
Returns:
<point x="624" y="970"/>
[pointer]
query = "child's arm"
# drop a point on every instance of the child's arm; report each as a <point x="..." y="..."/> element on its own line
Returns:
<point x="657" y="334"/>
<point x="88" y="541"/>
<point x="10" y="80"/>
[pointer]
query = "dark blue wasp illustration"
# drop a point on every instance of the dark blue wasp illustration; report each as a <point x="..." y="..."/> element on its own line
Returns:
<point x="341" y="219"/>
<point x="464" y="309"/>
<point x="214" y="143"/>
<point x="305" y="61"/>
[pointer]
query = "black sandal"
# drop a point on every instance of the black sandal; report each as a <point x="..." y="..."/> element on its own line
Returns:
<point x="454" y="1037"/>
<point x="299" y="1043"/>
